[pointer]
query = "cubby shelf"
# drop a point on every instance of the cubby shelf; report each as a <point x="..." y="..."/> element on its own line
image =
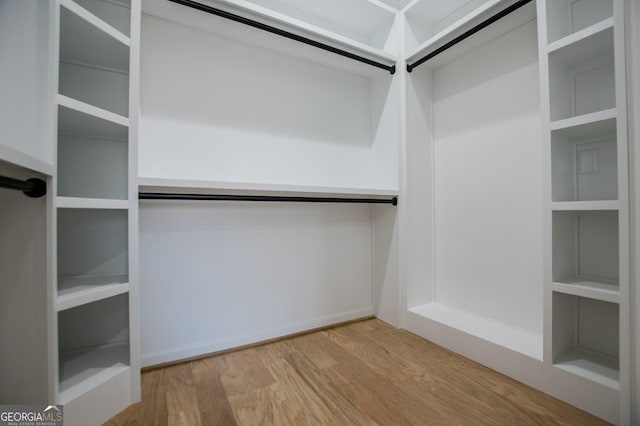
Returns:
<point x="597" y="368"/>
<point x="597" y="33"/>
<point x="586" y="124"/>
<point x="580" y="47"/>
<point x="246" y="188"/>
<point x="76" y="118"/>
<point x="83" y="371"/>
<point x="91" y="110"/>
<point x="606" y="292"/>
<point x="79" y="290"/>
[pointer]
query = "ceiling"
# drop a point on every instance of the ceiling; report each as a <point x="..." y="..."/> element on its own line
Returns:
<point x="398" y="4"/>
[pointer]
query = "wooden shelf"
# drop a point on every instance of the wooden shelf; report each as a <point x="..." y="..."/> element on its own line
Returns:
<point x="585" y="205"/>
<point x="91" y="203"/>
<point x="592" y="366"/>
<point x="606" y="292"/>
<point x="91" y="110"/>
<point x="87" y="39"/>
<point x="513" y="338"/>
<point x="79" y="290"/>
<point x="83" y="371"/>
<point x="584" y="120"/>
<point x="244" y="188"/>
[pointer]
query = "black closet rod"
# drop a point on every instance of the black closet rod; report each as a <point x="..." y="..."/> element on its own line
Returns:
<point x="283" y="33"/>
<point x="273" y="198"/>
<point x="517" y="5"/>
<point x="34" y="187"/>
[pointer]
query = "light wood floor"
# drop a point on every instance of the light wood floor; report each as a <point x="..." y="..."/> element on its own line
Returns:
<point x="362" y="373"/>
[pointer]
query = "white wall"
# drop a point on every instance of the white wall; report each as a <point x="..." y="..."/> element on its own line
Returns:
<point x="488" y="182"/>
<point x="216" y="109"/>
<point x="215" y="275"/>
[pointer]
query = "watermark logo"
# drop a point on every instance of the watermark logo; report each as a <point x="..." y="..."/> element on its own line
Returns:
<point x="31" y="415"/>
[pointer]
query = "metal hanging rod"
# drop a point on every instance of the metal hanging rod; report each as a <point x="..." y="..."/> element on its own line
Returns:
<point x="271" y="198"/>
<point x="517" y="5"/>
<point x="34" y="187"/>
<point x="283" y="33"/>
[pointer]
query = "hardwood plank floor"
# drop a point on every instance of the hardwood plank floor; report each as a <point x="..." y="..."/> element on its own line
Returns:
<point x="364" y="373"/>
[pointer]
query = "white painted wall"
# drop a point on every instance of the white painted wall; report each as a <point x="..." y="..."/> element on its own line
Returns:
<point x="216" y="275"/>
<point x="488" y="182"/>
<point x="208" y="113"/>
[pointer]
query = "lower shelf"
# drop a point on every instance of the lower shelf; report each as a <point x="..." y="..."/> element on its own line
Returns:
<point x="592" y="366"/>
<point x="82" y="371"/>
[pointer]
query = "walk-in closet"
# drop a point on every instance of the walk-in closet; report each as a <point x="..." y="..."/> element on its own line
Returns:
<point x="181" y="179"/>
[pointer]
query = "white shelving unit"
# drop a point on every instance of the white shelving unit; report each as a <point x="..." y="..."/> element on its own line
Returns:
<point x="96" y="292"/>
<point x="587" y="285"/>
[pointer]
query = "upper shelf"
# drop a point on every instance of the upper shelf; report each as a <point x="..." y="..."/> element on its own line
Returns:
<point x="161" y="185"/>
<point x="349" y="40"/>
<point x="433" y="24"/>
<point x="87" y="39"/>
